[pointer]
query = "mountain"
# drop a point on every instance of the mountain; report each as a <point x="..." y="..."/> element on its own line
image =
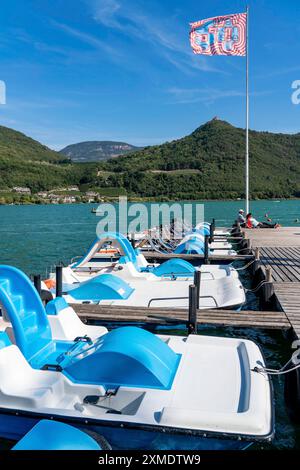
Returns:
<point x="95" y="151"/>
<point x="209" y="164"/>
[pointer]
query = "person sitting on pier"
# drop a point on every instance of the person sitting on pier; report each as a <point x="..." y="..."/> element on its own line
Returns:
<point x="241" y="218"/>
<point x="251" y="222"/>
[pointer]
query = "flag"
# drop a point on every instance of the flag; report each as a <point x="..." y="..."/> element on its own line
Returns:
<point x="221" y="35"/>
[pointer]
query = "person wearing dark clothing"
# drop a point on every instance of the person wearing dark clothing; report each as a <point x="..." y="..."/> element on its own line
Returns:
<point x="251" y="222"/>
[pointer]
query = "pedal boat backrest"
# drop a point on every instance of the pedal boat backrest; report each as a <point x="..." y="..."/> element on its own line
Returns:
<point x="118" y="241"/>
<point x="25" y="311"/>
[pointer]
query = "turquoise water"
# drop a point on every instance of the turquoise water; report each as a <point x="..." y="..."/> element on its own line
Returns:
<point x="34" y="238"/>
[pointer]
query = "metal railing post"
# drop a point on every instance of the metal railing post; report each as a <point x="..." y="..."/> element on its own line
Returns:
<point x="212" y="231"/>
<point x="37" y="283"/>
<point x="192" y="322"/>
<point x="58" y="272"/>
<point x="206" y="250"/>
<point x="197" y="281"/>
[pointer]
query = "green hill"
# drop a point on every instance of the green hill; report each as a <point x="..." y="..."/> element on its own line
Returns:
<point x="14" y="144"/>
<point x="209" y="163"/>
<point x="26" y="162"/>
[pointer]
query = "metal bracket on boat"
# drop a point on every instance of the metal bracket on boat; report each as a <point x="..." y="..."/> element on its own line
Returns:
<point x="165" y="298"/>
<point x="54" y="367"/>
<point x="94" y="401"/>
<point x="83" y="339"/>
<point x="209" y="297"/>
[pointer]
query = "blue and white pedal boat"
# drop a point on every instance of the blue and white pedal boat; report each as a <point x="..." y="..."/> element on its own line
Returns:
<point x="128" y="378"/>
<point x="131" y="281"/>
<point x="129" y="263"/>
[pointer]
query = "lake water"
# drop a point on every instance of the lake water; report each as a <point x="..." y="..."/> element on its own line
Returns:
<point x="34" y="238"/>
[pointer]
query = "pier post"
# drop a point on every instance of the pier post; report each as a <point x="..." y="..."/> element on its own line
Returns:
<point x="58" y="272"/>
<point x="37" y="283"/>
<point x="197" y="281"/>
<point x="256" y="261"/>
<point x="236" y="230"/>
<point x="206" y="249"/>
<point x="192" y="322"/>
<point x="245" y="247"/>
<point x="267" y="289"/>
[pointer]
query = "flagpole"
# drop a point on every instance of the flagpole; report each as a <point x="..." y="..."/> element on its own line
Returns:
<point x="247" y="115"/>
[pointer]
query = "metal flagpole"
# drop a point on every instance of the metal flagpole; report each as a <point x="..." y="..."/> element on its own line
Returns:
<point x="247" y="115"/>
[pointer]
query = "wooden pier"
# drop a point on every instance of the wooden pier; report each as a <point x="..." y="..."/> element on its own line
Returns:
<point x="280" y="255"/>
<point x="160" y="257"/>
<point x="163" y="316"/>
<point x="278" y="269"/>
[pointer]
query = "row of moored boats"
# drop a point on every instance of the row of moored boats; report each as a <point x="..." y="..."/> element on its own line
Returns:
<point x="189" y="392"/>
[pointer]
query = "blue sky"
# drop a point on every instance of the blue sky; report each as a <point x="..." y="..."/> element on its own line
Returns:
<point x="80" y="70"/>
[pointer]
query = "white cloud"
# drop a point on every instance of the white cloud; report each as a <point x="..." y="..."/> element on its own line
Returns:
<point x="86" y="38"/>
<point x="168" y="36"/>
<point x="206" y="95"/>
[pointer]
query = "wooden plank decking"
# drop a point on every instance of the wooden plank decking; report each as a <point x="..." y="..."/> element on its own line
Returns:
<point x="280" y="251"/>
<point x="163" y="316"/>
<point x="154" y="255"/>
<point x="288" y="297"/>
<point x="284" y="261"/>
<point x="283" y="236"/>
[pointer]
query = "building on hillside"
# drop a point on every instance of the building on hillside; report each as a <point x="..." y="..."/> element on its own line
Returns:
<point x="21" y="190"/>
<point x="68" y="199"/>
<point x="53" y="197"/>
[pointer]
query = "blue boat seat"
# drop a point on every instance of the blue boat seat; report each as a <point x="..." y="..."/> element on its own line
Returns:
<point x="192" y="246"/>
<point x="103" y="287"/>
<point x="127" y="356"/>
<point x="176" y="267"/>
<point x="29" y="320"/>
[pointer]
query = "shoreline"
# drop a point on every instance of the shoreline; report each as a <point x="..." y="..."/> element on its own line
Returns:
<point x="136" y="199"/>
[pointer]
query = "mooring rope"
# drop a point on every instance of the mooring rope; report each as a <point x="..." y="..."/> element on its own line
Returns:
<point x="243" y="249"/>
<point x="257" y="287"/>
<point x="245" y="266"/>
<point x="282" y="371"/>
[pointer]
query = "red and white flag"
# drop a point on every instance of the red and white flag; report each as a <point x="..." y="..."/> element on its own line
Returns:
<point x="221" y="35"/>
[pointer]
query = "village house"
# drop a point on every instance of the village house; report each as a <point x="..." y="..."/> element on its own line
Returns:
<point x="21" y="190"/>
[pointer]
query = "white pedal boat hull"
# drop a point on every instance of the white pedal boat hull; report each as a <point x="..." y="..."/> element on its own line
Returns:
<point x="128" y="272"/>
<point x="214" y="393"/>
<point x="218" y="293"/>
